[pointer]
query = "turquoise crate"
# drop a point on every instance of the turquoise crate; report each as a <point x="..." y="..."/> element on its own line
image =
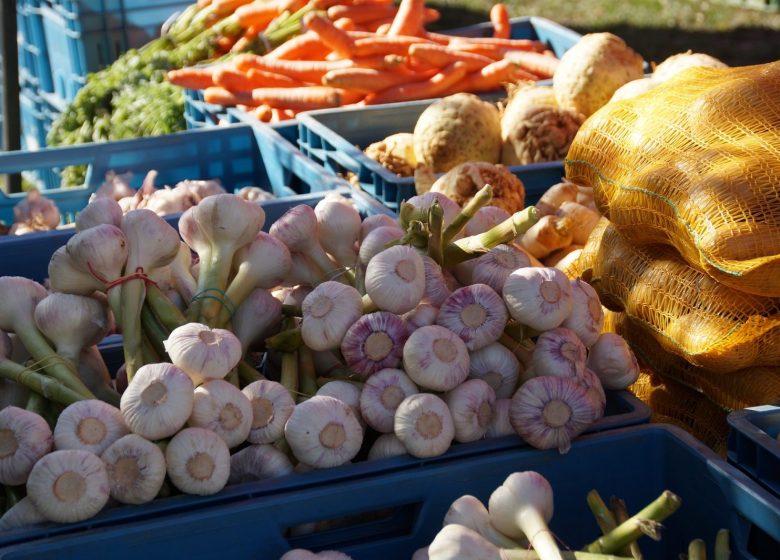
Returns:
<point x="753" y="445"/>
<point x="31" y="44"/>
<point x="389" y="514"/>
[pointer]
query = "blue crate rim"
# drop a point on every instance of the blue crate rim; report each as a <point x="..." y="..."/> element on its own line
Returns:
<point x="740" y="421"/>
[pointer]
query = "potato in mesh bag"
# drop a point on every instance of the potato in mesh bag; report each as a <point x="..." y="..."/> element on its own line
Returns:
<point x="694" y="164"/>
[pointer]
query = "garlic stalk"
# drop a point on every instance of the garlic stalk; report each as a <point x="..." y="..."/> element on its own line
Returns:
<point x="323" y="432"/>
<point x="492" y="268"/>
<point x="152" y="243"/>
<point x="374" y="342"/>
<point x="500" y="424"/>
<point x="548" y="411"/>
<point x="381" y="395"/>
<point x="523" y="505"/>
<point x="102" y="210"/>
<point x="272" y="405"/>
<point x="424" y="425"/>
<point x="613" y="361"/>
<point x="136" y="469"/>
<point x="20" y="296"/>
<point x="21" y="515"/>
<point x="497" y="366"/>
<point x="539" y="298"/>
<point x="68" y="485"/>
<point x="203" y="353"/>
<point x="422" y="203"/>
<point x="395" y="279"/>
<point x="181" y="274"/>
<point x="377" y="240"/>
<point x="475" y="313"/>
<point x="436" y="358"/>
<point x="303" y="272"/>
<point x="421" y="316"/>
<point x="90" y="425"/>
<point x="220" y="407"/>
<point x="469" y="512"/>
<point x="158" y="401"/>
<point x="328" y="312"/>
<point x="198" y="461"/>
<point x="25" y="437"/>
<point x="559" y="352"/>
<point x="471" y="405"/>
<point x="256" y="318"/>
<point x="386" y="445"/>
<point x="587" y="315"/>
<point x="338" y="225"/>
<point x="258" y="462"/>
<point x="66" y="276"/>
<point x="72" y="323"/>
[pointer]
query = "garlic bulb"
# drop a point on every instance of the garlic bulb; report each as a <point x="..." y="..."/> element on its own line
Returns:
<point x="539" y="298"/>
<point x="475" y="313"/>
<point x="386" y="445"/>
<point x="558" y="352"/>
<point x="436" y="358"/>
<point x="485" y="218"/>
<point x="25" y="437"/>
<point x="395" y="279"/>
<point x="425" y="201"/>
<point x="421" y="316"/>
<point x="548" y="412"/>
<point x="613" y="361"/>
<point x="328" y="312"/>
<point x="374" y="342"/>
<point x="202" y="352"/>
<point x="346" y="392"/>
<point x="500" y="424"/>
<point x="436" y="289"/>
<point x="298" y="229"/>
<point x="198" y="461"/>
<point x="381" y="395"/>
<point x="338" y="225"/>
<point x="492" y="268"/>
<point x="65" y="275"/>
<point x="323" y="432"/>
<point x="21" y="515"/>
<point x="596" y="393"/>
<point x="456" y="542"/>
<point x="220" y="407"/>
<point x="376" y="241"/>
<point x="424" y="425"/>
<point x="497" y="366"/>
<point x="68" y="485"/>
<point x="375" y="221"/>
<point x="102" y="210"/>
<point x="258" y="462"/>
<point x="272" y="406"/>
<point x="256" y="318"/>
<point x="471" y="405"/>
<point x="37" y="210"/>
<point x="136" y="469"/>
<point x="467" y="511"/>
<point x="158" y="401"/>
<point x="421" y="554"/>
<point x="91" y="425"/>
<point x="587" y="315"/>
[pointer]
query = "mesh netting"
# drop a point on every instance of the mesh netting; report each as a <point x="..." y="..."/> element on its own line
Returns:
<point x="687" y="312"/>
<point x="695" y="164"/>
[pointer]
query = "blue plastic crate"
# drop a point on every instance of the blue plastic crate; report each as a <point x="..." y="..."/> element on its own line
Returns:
<point x="753" y="444"/>
<point x="335" y="138"/>
<point x="84" y="36"/>
<point x="199" y="114"/>
<point x="403" y="509"/>
<point x="33" y="120"/>
<point x="31" y="43"/>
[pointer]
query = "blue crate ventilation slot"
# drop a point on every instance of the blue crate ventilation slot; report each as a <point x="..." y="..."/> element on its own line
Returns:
<point x="390" y="514"/>
<point x="753" y="446"/>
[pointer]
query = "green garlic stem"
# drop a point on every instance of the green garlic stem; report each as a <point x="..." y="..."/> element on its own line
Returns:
<point x="247" y="374"/>
<point x="604" y="518"/>
<point x="518" y="554"/>
<point x="722" y="549"/>
<point x="291" y="310"/>
<point x="216" y="279"/>
<point x="482" y="198"/>
<point x="435" y="227"/>
<point x="133" y="293"/>
<point x="307" y="376"/>
<point x="285" y="341"/>
<point x="166" y="312"/>
<point x="289" y="373"/>
<point x="155" y="332"/>
<point x="697" y="550"/>
<point x="41" y="385"/>
<point x="620" y="512"/>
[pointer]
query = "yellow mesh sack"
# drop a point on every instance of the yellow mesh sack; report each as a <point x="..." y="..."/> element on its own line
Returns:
<point x="686" y="312"/>
<point x="695" y="164"/>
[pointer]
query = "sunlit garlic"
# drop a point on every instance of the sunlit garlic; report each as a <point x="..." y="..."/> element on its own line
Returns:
<point x="346" y="392"/>
<point x="202" y="352"/>
<point x="272" y="406"/>
<point x="91" y="425"/>
<point x="436" y="358"/>
<point x="220" y="407"/>
<point x="328" y="312"/>
<point x="492" y="268"/>
<point x="471" y="405"/>
<point x="424" y="425"/>
<point x="613" y="361"/>
<point x="395" y="279"/>
<point x="102" y="210"/>
<point x="558" y="352"/>
<point x="596" y="393"/>
<point x="539" y="298"/>
<point x="258" y="462"/>
<point x="338" y="225"/>
<point x="198" y="461"/>
<point x="587" y="315"/>
<point x="376" y="241"/>
<point x="485" y="218"/>
<point x="136" y="469"/>
<point x="373" y="222"/>
<point x="381" y="395"/>
<point x="475" y="313"/>
<point x="374" y="342"/>
<point x="25" y="437"/>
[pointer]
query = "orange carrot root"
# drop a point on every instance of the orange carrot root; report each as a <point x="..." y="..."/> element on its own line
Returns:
<point x="333" y="37"/>
<point x="307" y="46"/>
<point x="432" y="87"/>
<point x="192" y="78"/>
<point x="221" y="96"/>
<point x="409" y="19"/>
<point x="361" y="13"/>
<point x="440" y="56"/>
<point x="499" y="17"/>
<point x="542" y="65"/>
<point x="304" y="98"/>
<point x="367" y="80"/>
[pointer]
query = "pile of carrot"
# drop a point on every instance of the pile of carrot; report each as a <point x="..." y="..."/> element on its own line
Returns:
<point x="363" y="52"/>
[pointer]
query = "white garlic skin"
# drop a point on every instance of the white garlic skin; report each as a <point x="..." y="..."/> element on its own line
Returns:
<point x="376" y="241"/>
<point x="455" y="542"/>
<point x="136" y="469"/>
<point x="436" y="289"/>
<point x="471" y="404"/>
<point x="421" y="316"/>
<point x="613" y="361"/>
<point x="395" y="279"/>
<point x="272" y="406"/>
<point x="258" y="462"/>
<point x="198" y="461"/>
<point x="436" y="358"/>
<point x="374" y="342"/>
<point x="68" y="485"/>
<point x="220" y="407"/>
<point x="202" y="352"/>
<point x="485" y="218"/>
<point x="323" y="432"/>
<point x="375" y="221"/>
<point x="382" y="394"/>
<point x="587" y="315"/>
<point x="91" y="425"/>
<point x="386" y="445"/>
<point x="596" y="393"/>
<point x="158" y="401"/>
<point x="492" y="268"/>
<point x="500" y="425"/>
<point x="497" y="366"/>
<point x="424" y="425"/>
<point x="539" y="298"/>
<point x="21" y="515"/>
<point x="25" y="437"/>
<point x="328" y="312"/>
<point x="475" y="313"/>
<point x="346" y="392"/>
<point x="559" y="352"/>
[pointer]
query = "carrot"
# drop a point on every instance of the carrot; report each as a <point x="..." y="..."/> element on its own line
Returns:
<point x="221" y="96"/>
<point x="291" y="6"/>
<point x="192" y="78"/>
<point x="246" y="39"/>
<point x="203" y="4"/>
<point x="226" y="7"/>
<point x="361" y="13"/>
<point x="438" y="37"/>
<point x="431" y="87"/>
<point x="224" y="43"/>
<point x="493" y="76"/>
<point x="384" y="45"/>
<point x="542" y="65"/>
<point x="430" y="15"/>
<point x="440" y="56"/>
<point x="363" y="2"/>
<point x="263" y="113"/>
<point x="499" y="17"/>
<point x="333" y="37"/>
<point x="409" y="19"/>
<point x="378" y="26"/>
<point x="278" y="115"/>
<point x="490" y="51"/>
<point x="257" y="13"/>
<point x="304" y="70"/>
<point x="307" y="46"/>
<point x="367" y="80"/>
<point x="304" y="98"/>
<point x="519" y="44"/>
<point x="235" y="80"/>
<point x="345" y="23"/>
